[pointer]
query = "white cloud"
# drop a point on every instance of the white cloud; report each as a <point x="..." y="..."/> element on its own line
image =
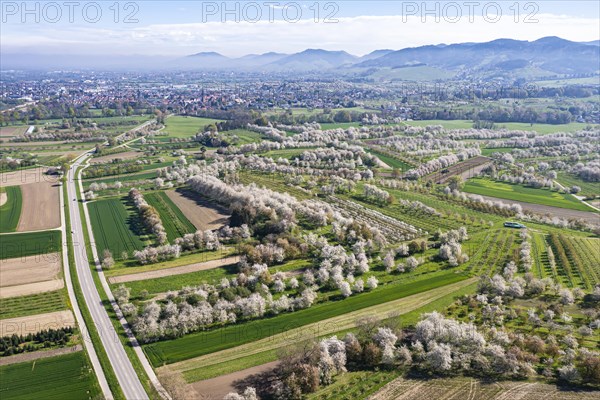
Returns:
<point x="358" y="35"/>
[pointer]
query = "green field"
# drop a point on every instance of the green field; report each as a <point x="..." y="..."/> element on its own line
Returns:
<point x="68" y="376"/>
<point x="391" y="161"/>
<point x="10" y="212"/>
<point x="33" y="304"/>
<point x="221" y="363"/>
<point x="176" y="282"/>
<point x="132" y="267"/>
<point x="335" y="125"/>
<point x="588" y="189"/>
<point x="175" y="223"/>
<point x="198" y="344"/>
<point x="245" y="136"/>
<point x="115" y="227"/>
<point x="29" y="244"/>
<point x="121" y="178"/>
<point x="517" y="192"/>
<point x="184" y="127"/>
<point x="521" y="126"/>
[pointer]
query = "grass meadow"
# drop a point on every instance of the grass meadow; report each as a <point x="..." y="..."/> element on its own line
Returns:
<point x="509" y="191"/>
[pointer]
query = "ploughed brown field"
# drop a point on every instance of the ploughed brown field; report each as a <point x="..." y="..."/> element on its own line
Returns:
<point x="27" y="176"/>
<point x="201" y="213"/>
<point x="36" y="323"/>
<point x="9" y="131"/>
<point x="40" y="207"/>
<point x="30" y="275"/>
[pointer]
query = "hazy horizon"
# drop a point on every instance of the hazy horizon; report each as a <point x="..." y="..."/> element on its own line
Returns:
<point x="178" y="29"/>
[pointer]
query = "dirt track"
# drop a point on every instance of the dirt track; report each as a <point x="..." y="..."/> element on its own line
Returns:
<point x="217" y="388"/>
<point x="201" y="213"/>
<point x="203" y="266"/>
<point x="3" y="198"/>
<point x="40" y="207"/>
<point x="36" y="323"/>
<point x="564" y="213"/>
<point x="36" y="355"/>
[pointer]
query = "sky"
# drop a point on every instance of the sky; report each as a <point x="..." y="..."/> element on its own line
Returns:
<point x="236" y="28"/>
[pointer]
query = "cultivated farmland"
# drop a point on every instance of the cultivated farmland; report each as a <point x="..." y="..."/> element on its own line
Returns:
<point x="463" y="388"/>
<point x="185" y="348"/>
<point x="40" y="303"/>
<point x="29" y="244"/>
<point x="185" y="127"/>
<point x="201" y="213"/>
<point x="516" y="192"/>
<point x="36" y="323"/>
<point x="115" y="226"/>
<point x="63" y="377"/>
<point x="175" y="222"/>
<point x="10" y="208"/>
<point x="40" y="207"/>
<point x="29" y="275"/>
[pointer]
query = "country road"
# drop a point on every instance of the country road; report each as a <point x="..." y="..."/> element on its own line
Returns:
<point x="126" y="375"/>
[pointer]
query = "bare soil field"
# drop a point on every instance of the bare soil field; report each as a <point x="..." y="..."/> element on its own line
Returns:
<point x="590" y="217"/>
<point x="31" y="288"/>
<point x="36" y="323"/>
<point x="201" y="213"/>
<point x="128" y="155"/>
<point x="471" y="389"/>
<point x="27" y="176"/>
<point x="9" y="131"/>
<point x="40" y="207"/>
<point x="466" y="169"/>
<point x="175" y="271"/>
<point x="19" y="271"/>
<point x="36" y="355"/>
<point x="217" y="388"/>
<point x="3" y="198"/>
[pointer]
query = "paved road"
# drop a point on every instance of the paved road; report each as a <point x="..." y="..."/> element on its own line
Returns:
<point x="126" y="375"/>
